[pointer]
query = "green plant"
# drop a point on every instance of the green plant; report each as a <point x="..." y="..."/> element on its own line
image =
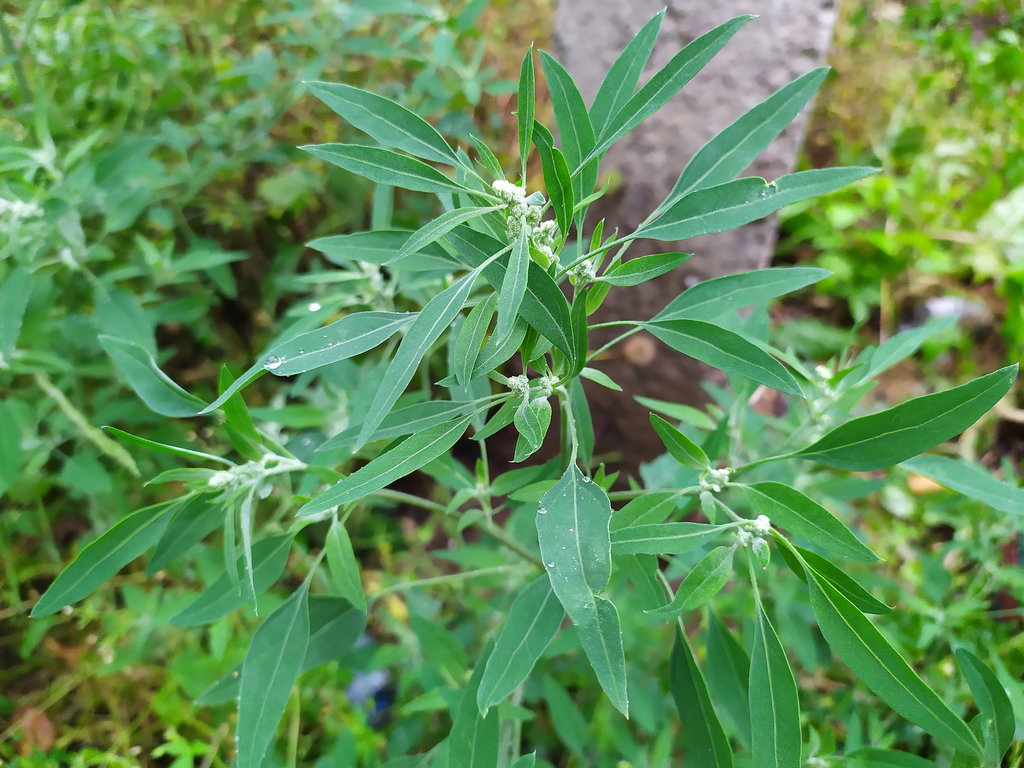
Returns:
<point x="555" y="548"/>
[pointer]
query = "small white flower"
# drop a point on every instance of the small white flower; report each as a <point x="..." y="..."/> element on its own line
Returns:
<point x="763" y="524"/>
<point x="520" y="385"/>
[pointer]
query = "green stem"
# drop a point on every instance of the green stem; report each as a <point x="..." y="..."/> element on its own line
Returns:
<point x="19" y="68"/>
<point x="405" y="585"/>
<point x="616" y="340"/>
<point x="408" y="498"/>
<point x="759" y="462"/>
<point x="30" y="21"/>
<point x="499" y="534"/>
<point x="293" y="729"/>
<point x="690" y="490"/>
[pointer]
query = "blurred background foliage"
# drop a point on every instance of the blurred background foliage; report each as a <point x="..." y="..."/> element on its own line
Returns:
<point x="150" y="185"/>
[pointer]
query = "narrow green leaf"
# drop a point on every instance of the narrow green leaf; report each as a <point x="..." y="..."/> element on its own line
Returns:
<point x="438" y="228"/>
<point x="501" y="419"/>
<point x="701" y="584"/>
<point x="557" y="179"/>
<point x="637" y="271"/>
<point x="163" y="448"/>
<point x="706" y="742"/>
<point x="513" y="287"/>
<point x="735" y="148"/>
<point x="154" y="388"/>
<point x="866" y="651"/>
<point x="344" y="566"/>
<point x="572" y="529"/>
<point x="473" y="742"/>
<point x="404" y="421"/>
<point x="666" y="83"/>
<point x="651" y="508"/>
<point x="544" y="305"/>
<point x="14" y="296"/>
<point x="428" y="326"/>
<point x="193" y="521"/>
<point x="389" y="123"/>
<point x="583" y="424"/>
<point x="222" y="691"/>
<point x="849" y="587"/>
<point x="903" y="345"/>
<point x="621" y="81"/>
<point x="895" y="435"/>
<point x="497" y="351"/>
<point x="663" y="538"/>
<point x="739" y="202"/>
<point x="970" y="480"/>
<point x="774" y="705"/>
<point x="526" y="761"/>
<point x="526" y="107"/>
<point x="103" y="558"/>
<point x="471" y="337"/>
<point x="10" y="445"/>
<point x="488" y="160"/>
<point x="271" y="666"/>
<point x="642" y="570"/>
<point x="792" y="510"/>
<point x="532" y="419"/>
<point x="533" y="620"/>
<point x="728" y="667"/>
<point x="237" y="415"/>
<point x="681" y="448"/>
<point x="348" y="337"/>
<point x="714" y="298"/>
<point x="335" y="625"/>
<point x="416" y="451"/>
<point x="678" y="412"/>
<point x="724" y="350"/>
<point x="600" y="377"/>
<point x="569" y="723"/>
<point x="385" y="167"/>
<point x="993" y="704"/>
<point x="574" y="128"/>
<point x="380" y="247"/>
<point x="269" y="557"/>
<point x="873" y="757"/>
<point x="580" y="336"/>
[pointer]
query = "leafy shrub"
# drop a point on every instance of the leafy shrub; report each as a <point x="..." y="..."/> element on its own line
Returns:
<point x="546" y="543"/>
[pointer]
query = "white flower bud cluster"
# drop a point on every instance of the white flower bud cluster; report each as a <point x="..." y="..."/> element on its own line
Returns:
<point x="584" y="274"/>
<point x="715" y="479"/>
<point x="752" y="535"/>
<point x="522" y="211"/>
<point x="18" y="209"/>
<point x="544" y="236"/>
<point x="520" y="385"/>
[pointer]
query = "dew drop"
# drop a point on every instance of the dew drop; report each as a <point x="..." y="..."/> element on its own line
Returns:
<point x="570" y="530"/>
<point x="273" y="362"/>
<point x="542" y="511"/>
<point x="551" y="565"/>
<point x="586" y="479"/>
<point x="314" y="306"/>
<point x="563" y="549"/>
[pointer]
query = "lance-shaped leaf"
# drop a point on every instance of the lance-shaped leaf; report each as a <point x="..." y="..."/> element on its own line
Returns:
<point x="903" y="345"/>
<point x="269" y="671"/>
<point x="513" y="287"/>
<point x="526" y="107"/>
<point x="533" y="620"/>
<point x="153" y="386"/>
<point x="970" y="480"/>
<point x="701" y="584"/>
<point x="335" y="625"/>
<point x="994" y="705"/>
<point x="679" y="446"/>
<point x="344" y="566"/>
<point x="637" y="271"/>
<point x="714" y="298"/>
<point x="389" y="123"/>
<point x="471" y="337"/>
<point x="557" y="180"/>
<point x="385" y="167"/>
<point x="873" y="757"/>
<point x="428" y="326"/>
<point x="488" y="160"/>
<point x="497" y="351"/>
<point x="404" y="421"/>
<point x="14" y="296"/>
<point x="706" y="742"/>
<point x="731" y="151"/>
<point x="739" y="202"/>
<point x="152" y="445"/>
<point x="473" y="742"/>
<point x="866" y="651"/>
<point x="569" y="724"/>
<point x="544" y="305"/>
<point x="887" y="438"/>
<point x="103" y="558"/>
<point x="413" y="453"/>
<point x="193" y="521"/>
<point x="663" y="538"/>
<point x="666" y="83"/>
<point x="572" y="529"/>
<point x="651" y="508"/>
<point x="381" y="246"/>
<point x="728" y="676"/>
<point x="797" y="513"/>
<point x="532" y="419"/>
<point x="774" y="704"/>
<point x="574" y="128"/>
<point x="439" y="227"/>
<point x="724" y="350"/>
<point x="621" y="81"/>
<point x="269" y="557"/>
<point x="799" y="560"/>
<point x="348" y="337"/>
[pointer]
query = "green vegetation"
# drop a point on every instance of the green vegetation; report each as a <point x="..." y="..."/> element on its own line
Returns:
<point x="338" y="572"/>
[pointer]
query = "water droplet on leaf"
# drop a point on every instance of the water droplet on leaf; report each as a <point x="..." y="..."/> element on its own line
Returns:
<point x="273" y="362"/>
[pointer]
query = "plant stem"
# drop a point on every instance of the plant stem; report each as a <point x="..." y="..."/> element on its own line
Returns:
<point x="19" y="68"/>
<point x="613" y="342"/>
<point x="500" y="535"/>
<point x="293" y="730"/>
<point x="759" y="462"/>
<point x="30" y="21"/>
<point x="408" y="498"/>
<point x="402" y="586"/>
